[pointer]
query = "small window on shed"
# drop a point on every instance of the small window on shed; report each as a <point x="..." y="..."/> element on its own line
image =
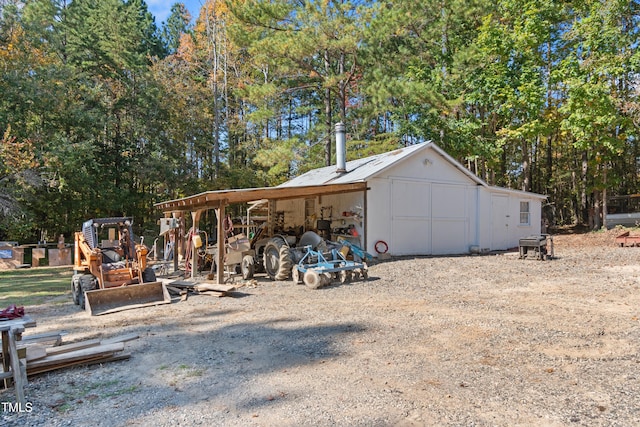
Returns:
<point x="524" y="213"/>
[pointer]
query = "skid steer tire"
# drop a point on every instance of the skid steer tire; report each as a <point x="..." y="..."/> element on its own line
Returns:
<point x="148" y="275"/>
<point x="87" y="283"/>
<point x="75" y="289"/>
<point x="277" y="259"/>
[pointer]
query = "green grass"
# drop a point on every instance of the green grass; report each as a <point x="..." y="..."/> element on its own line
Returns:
<point x="33" y="286"/>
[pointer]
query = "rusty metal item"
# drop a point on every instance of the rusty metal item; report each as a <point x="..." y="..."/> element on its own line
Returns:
<point x="540" y="245"/>
<point x="626" y="239"/>
<point x="111" y="300"/>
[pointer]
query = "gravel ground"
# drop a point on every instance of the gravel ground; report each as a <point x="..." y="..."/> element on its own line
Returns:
<point x="455" y="341"/>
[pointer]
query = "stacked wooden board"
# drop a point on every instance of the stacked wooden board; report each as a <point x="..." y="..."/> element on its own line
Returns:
<point x="41" y="357"/>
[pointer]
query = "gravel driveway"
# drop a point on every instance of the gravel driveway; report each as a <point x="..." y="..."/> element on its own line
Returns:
<point x="455" y="341"/>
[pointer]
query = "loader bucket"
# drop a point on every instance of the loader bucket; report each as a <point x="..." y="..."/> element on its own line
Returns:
<point x="110" y="300"/>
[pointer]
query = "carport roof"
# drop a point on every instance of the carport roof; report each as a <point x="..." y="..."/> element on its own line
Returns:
<point x="214" y="199"/>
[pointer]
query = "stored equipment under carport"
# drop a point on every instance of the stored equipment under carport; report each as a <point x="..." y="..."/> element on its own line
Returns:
<point x="540" y="245"/>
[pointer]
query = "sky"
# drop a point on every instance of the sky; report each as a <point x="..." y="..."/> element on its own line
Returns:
<point x="162" y="8"/>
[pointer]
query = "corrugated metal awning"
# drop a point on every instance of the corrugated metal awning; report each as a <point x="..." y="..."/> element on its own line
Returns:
<point x="213" y="199"/>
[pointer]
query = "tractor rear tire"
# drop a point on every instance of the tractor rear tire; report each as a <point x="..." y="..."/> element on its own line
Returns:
<point x="87" y="283"/>
<point x="247" y="267"/>
<point x="148" y="275"/>
<point x="277" y="259"/>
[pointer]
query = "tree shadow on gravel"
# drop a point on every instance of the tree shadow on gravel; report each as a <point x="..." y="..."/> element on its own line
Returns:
<point x="236" y="362"/>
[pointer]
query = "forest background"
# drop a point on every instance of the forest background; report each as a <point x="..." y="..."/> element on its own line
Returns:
<point x="104" y="112"/>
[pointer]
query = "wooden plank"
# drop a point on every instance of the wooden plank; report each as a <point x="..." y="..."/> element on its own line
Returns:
<point x="90" y="361"/>
<point x="66" y="348"/>
<point x="175" y="290"/>
<point x="25" y="321"/>
<point x="214" y="287"/>
<point x="120" y="338"/>
<point x="19" y="376"/>
<point x="85" y="353"/>
<point x="31" y="370"/>
<point x="182" y="284"/>
<point x="214" y="294"/>
<point x="35" y="352"/>
<point x="51" y="338"/>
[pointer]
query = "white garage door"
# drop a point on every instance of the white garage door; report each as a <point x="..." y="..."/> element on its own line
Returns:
<point x="429" y="218"/>
<point x="411" y="217"/>
<point x="450" y="219"/>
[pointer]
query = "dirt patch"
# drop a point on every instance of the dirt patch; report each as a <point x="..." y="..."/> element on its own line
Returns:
<point x="474" y="340"/>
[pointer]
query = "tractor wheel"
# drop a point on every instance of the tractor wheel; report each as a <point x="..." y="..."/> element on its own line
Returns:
<point x="148" y="275"/>
<point x="295" y="276"/>
<point x="286" y="264"/>
<point x="277" y="259"/>
<point x="247" y="267"/>
<point x="75" y="289"/>
<point x="87" y="283"/>
<point x="312" y="279"/>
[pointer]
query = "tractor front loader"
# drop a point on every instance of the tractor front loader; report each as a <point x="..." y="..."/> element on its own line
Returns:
<point x="107" y="260"/>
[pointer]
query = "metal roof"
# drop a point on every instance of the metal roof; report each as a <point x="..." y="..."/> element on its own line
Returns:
<point x="361" y="170"/>
<point x="367" y="167"/>
<point x="215" y="199"/>
<point x="357" y="170"/>
<point x="321" y="181"/>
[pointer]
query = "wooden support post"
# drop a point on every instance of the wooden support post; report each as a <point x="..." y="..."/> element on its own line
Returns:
<point x="10" y="358"/>
<point x="195" y="219"/>
<point x="221" y="243"/>
<point x="366" y="219"/>
<point x="178" y="241"/>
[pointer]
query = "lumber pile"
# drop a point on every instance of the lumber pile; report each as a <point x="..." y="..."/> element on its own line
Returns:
<point x="183" y="288"/>
<point x="42" y="357"/>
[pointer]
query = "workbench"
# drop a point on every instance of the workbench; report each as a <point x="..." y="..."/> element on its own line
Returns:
<point x="14" y="370"/>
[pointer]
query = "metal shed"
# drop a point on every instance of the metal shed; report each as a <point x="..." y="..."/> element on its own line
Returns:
<point x="415" y="200"/>
<point x="421" y="201"/>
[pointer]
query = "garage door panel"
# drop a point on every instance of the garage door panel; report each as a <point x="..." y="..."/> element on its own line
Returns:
<point x="449" y="201"/>
<point x="450" y="235"/>
<point x="410" y="200"/>
<point x="411" y="237"/>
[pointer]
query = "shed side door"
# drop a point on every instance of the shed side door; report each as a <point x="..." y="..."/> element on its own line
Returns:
<point x="499" y="222"/>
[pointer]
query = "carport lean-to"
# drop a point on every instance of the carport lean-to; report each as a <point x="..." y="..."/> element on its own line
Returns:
<point x="219" y="200"/>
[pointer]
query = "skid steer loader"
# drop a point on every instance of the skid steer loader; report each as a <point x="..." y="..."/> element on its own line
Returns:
<point x="106" y="261"/>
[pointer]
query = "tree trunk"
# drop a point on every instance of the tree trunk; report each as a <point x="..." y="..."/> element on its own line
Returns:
<point x="327" y="112"/>
<point x="526" y="166"/>
<point x="604" y="195"/>
<point x="584" y="208"/>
